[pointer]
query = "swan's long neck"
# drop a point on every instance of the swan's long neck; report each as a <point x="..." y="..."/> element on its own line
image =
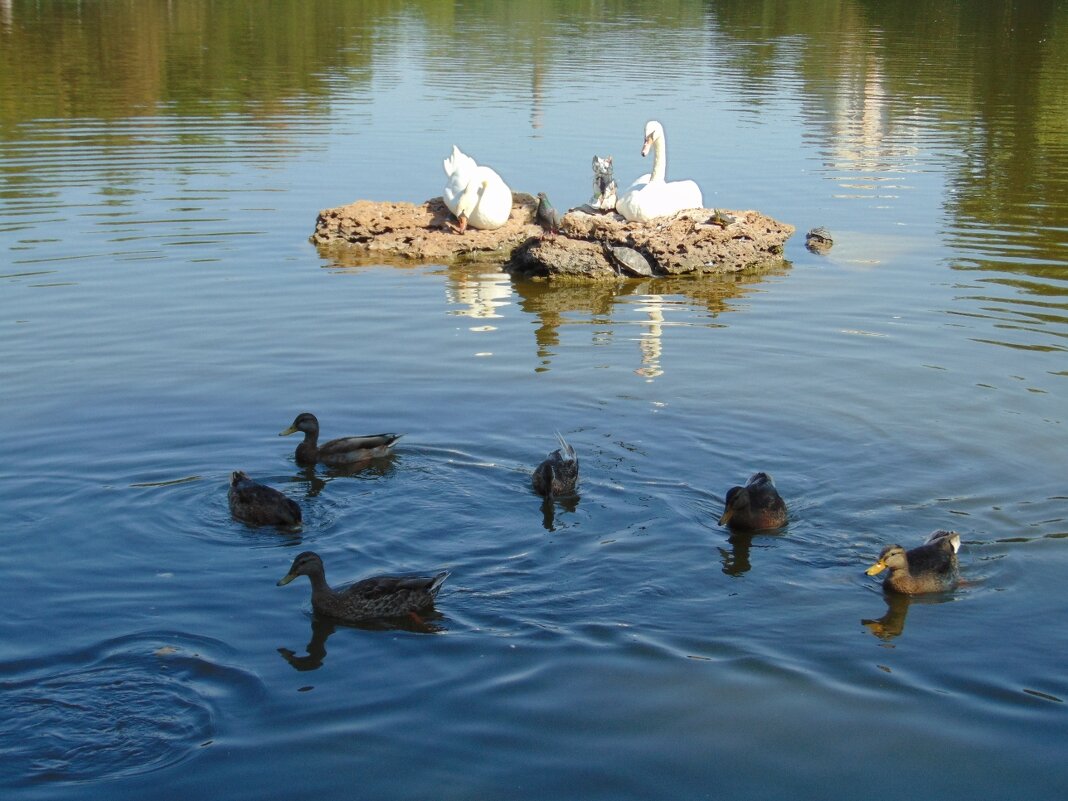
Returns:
<point x="659" y="159"/>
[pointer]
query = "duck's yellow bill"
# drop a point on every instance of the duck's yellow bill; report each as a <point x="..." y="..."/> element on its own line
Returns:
<point x="284" y="581"/>
<point x="876" y="569"/>
<point x="288" y="431"/>
<point x="725" y="518"/>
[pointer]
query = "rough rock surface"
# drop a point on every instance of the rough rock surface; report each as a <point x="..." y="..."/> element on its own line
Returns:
<point x="590" y="244"/>
<point x="425" y="233"/>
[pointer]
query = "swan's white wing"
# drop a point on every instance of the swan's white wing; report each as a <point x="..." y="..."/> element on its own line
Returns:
<point x="460" y="169"/>
<point x="495" y="202"/>
<point x="658" y="199"/>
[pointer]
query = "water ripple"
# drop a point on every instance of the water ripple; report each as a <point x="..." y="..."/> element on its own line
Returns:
<point x="126" y="706"/>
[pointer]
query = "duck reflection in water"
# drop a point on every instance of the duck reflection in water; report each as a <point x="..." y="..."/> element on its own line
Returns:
<point x="370" y="470"/>
<point x="322" y="628"/>
<point x="736" y="558"/>
<point x="891" y="624"/>
<point x="548" y="509"/>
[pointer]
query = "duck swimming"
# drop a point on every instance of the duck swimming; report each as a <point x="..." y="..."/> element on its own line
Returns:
<point x="337" y="452"/>
<point x="259" y="504"/>
<point x="477" y="195"/>
<point x="653" y="196"/>
<point x="558" y="473"/>
<point x="755" y="507"/>
<point x="931" y="567"/>
<point x="369" y="598"/>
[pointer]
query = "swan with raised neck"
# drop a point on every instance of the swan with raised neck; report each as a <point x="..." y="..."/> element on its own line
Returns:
<point x="653" y="196"/>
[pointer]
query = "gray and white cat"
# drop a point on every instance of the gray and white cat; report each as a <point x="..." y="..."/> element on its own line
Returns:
<point x="604" y="185"/>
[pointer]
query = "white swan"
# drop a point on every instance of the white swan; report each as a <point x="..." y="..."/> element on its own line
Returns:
<point x="476" y="195"/>
<point x="651" y="196"/>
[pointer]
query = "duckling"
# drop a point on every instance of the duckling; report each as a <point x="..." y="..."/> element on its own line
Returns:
<point x="369" y="598"/>
<point x="558" y="474"/>
<point x="754" y="507"/>
<point x="259" y="504"/>
<point x="336" y="452"/>
<point x="931" y="567"/>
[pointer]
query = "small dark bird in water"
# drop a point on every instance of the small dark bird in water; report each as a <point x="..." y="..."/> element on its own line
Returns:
<point x="755" y="507"/>
<point x="931" y="567"/>
<point x="369" y="598"/>
<point x="558" y="474"/>
<point x="336" y="452"/>
<point x="259" y="504"/>
<point x="548" y="217"/>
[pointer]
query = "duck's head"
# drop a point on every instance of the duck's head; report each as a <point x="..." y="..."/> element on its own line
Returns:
<point x="736" y="501"/>
<point x="306" y="564"/>
<point x="653" y="131"/>
<point x="892" y="557"/>
<point x="305" y="421"/>
<point x="238" y="476"/>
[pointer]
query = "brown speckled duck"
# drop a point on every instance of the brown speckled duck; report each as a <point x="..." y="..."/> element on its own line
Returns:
<point x="336" y="452"/>
<point x="931" y="567"/>
<point x="755" y="507"/>
<point x="369" y="598"/>
<point x="558" y="474"/>
<point x="259" y="504"/>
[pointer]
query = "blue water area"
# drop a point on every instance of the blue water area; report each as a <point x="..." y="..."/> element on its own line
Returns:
<point x="163" y="316"/>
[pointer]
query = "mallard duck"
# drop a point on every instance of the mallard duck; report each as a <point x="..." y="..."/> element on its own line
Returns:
<point x="369" y="598"/>
<point x="754" y="507"/>
<point x="558" y="474"/>
<point x="653" y="196"/>
<point x="478" y="196"/>
<point x="336" y="452"/>
<point x="259" y="504"/>
<point x="931" y="567"/>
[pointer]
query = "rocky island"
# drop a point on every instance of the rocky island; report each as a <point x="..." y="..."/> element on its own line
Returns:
<point x="590" y="244"/>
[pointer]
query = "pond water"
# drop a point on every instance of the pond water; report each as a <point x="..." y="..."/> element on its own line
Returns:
<point x="164" y="316"/>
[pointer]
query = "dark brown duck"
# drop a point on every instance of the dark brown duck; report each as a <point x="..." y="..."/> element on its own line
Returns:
<point x="336" y="452"/>
<point x="369" y="598"/>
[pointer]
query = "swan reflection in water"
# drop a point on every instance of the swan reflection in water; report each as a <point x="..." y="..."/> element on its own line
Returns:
<point x="322" y="628"/>
<point x="609" y="307"/>
<point x="479" y="295"/>
<point x="605" y="307"/>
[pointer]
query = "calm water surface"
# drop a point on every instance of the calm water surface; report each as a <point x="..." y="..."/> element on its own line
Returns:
<point x="163" y="316"/>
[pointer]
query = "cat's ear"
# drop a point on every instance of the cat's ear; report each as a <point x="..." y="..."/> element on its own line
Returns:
<point x="608" y="160"/>
<point x="595" y="160"/>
